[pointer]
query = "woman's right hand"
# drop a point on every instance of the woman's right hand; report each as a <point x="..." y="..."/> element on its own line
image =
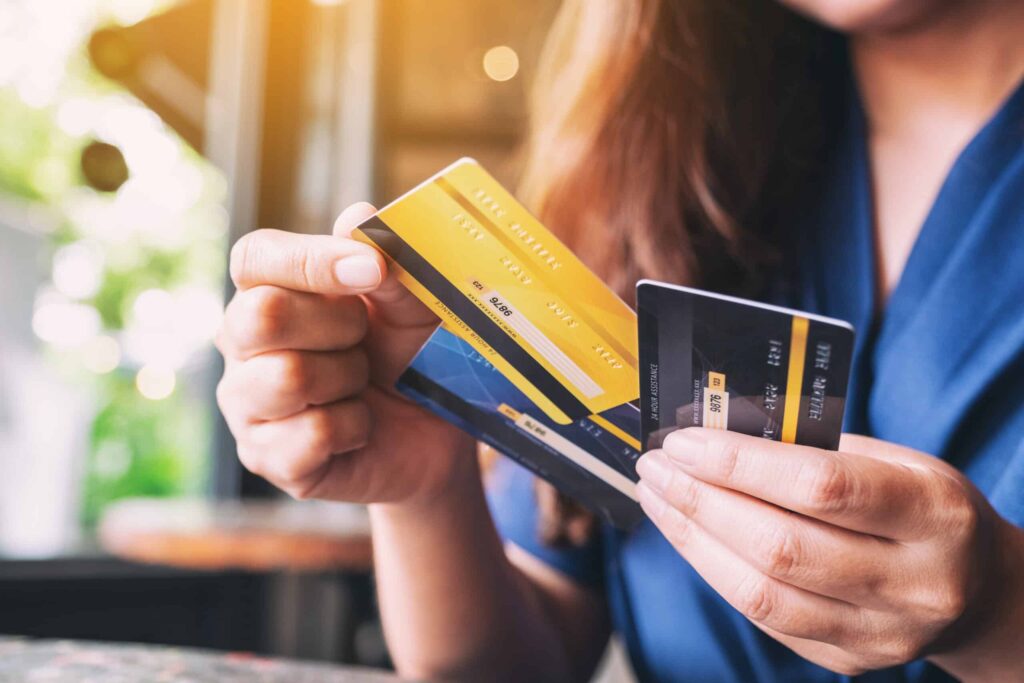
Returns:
<point x="313" y="342"/>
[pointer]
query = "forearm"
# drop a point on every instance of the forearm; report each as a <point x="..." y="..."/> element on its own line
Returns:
<point x="453" y="606"/>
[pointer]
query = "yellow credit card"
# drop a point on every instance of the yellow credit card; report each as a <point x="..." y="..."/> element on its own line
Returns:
<point x="504" y="283"/>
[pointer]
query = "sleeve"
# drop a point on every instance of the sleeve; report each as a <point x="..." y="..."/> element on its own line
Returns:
<point x="513" y="504"/>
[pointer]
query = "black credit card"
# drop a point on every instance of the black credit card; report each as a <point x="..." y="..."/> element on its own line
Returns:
<point x="709" y="360"/>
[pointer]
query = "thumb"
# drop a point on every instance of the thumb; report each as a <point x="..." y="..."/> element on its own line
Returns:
<point x="400" y="323"/>
<point x="395" y="304"/>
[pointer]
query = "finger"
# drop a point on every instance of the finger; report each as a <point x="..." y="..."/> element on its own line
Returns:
<point x="395" y="304"/>
<point x="798" y="550"/>
<point x="869" y="495"/>
<point x="267" y="318"/>
<point x="827" y="655"/>
<point x="951" y="504"/>
<point x="295" y="453"/>
<point x="401" y="322"/>
<point x="275" y="385"/>
<point x="760" y="598"/>
<point x="889" y="452"/>
<point x="351" y="217"/>
<point x="309" y="263"/>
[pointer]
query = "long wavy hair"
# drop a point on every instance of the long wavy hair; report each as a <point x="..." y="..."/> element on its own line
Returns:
<point x="670" y="139"/>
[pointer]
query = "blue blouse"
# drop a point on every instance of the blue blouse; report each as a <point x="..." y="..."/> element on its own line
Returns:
<point x="940" y="370"/>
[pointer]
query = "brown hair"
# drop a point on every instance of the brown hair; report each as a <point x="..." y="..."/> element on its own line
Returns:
<point x="668" y="137"/>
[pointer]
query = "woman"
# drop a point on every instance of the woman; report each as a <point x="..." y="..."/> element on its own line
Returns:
<point x="865" y="161"/>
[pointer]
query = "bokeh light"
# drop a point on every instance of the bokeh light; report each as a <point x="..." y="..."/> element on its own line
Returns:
<point x="153" y="309"/>
<point x="155" y="382"/>
<point x="64" y="324"/>
<point x="78" y="270"/>
<point x="501" y="63"/>
<point x="102" y="355"/>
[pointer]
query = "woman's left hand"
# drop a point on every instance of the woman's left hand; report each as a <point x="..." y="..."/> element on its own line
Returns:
<point x="869" y="557"/>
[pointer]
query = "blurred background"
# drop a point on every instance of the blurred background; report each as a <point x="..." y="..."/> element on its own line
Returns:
<point x="138" y="140"/>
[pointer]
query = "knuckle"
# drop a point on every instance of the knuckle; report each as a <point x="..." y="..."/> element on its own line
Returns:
<point x="237" y="259"/>
<point x="220" y="340"/>
<point x="953" y="605"/>
<point x="949" y="602"/>
<point x="757" y="600"/>
<point x="350" y="321"/>
<point x="779" y="554"/>
<point x="899" y="649"/>
<point x="233" y="410"/>
<point x="291" y="374"/>
<point x="265" y="316"/>
<point x="967" y="526"/>
<point x="307" y="268"/>
<point x="319" y="431"/>
<point x="728" y="460"/>
<point x="250" y="460"/>
<point x="357" y="319"/>
<point x="356" y="419"/>
<point x="222" y="394"/>
<point x="875" y="581"/>
<point x="676" y="526"/>
<point x="289" y="471"/>
<point x="831" y="487"/>
<point x="267" y="301"/>
<point x="958" y="514"/>
<point x="684" y="492"/>
<point x="243" y="255"/>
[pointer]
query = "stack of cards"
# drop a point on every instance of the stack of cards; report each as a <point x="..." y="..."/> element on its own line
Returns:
<point x="536" y="357"/>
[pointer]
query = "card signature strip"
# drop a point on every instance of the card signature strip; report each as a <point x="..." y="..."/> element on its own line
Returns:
<point x="547" y="348"/>
<point x="567" y="448"/>
<point x="499" y="234"/>
<point x="381" y="234"/>
<point x="576" y="454"/>
<point x="795" y="378"/>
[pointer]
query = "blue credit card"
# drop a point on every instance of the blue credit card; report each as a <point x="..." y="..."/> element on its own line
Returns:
<point x="592" y="459"/>
<point x="709" y="360"/>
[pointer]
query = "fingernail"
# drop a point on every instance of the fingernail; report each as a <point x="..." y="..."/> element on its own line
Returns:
<point x="684" y="447"/>
<point x="653" y="504"/>
<point x="655" y="470"/>
<point x="358" y="272"/>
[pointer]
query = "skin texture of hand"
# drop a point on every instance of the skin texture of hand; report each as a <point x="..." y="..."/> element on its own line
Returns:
<point x="313" y="342"/>
<point x="869" y="557"/>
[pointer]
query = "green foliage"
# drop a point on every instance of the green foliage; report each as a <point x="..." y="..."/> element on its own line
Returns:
<point x="121" y="285"/>
<point x="139" y="447"/>
<point x="37" y="161"/>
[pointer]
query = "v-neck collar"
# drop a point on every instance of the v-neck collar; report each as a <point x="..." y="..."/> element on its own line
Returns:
<point x="968" y="182"/>
<point x="932" y="344"/>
